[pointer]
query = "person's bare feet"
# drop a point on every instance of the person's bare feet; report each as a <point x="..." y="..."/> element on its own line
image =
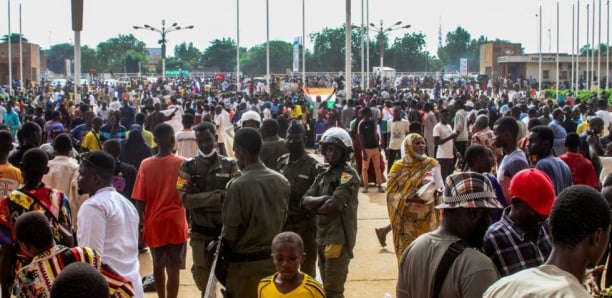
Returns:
<point x="382" y="236"/>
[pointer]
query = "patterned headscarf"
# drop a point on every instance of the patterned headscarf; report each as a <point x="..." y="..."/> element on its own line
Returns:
<point x="407" y="149"/>
<point x="407" y="174"/>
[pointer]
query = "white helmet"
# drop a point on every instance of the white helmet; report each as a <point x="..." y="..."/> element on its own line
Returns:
<point x="338" y="136"/>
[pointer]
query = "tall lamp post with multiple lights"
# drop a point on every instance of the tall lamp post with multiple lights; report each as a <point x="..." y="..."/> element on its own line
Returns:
<point x="163" y="31"/>
<point x="381" y="37"/>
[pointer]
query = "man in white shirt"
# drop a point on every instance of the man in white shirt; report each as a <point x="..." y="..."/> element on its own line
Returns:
<point x="430" y="123"/>
<point x="444" y="137"/>
<point x="107" y="221"/>
<point x="225" y="131"/>
<point x="461" y="127"/>
<point x="398" y="128"/>
<point x="186" y="145"/>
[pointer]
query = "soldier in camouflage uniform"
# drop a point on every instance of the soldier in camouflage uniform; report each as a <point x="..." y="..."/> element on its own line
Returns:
<point x="333" y="196"/>
<point x="201" y="185"/>
<point x="301" y="170"/>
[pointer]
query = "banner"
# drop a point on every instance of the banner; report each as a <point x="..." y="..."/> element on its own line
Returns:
<point x="463" y="66"/>
<point x="296" y="54"/>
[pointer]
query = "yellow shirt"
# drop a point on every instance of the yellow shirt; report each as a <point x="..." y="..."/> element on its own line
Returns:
<point x="10" y="178"/>
<point x="296" y="112"/>
<point x="91" y="141"/>
<point x="584" y="126"/>
<point x="147" y="136"/>
<point x="309" y="288"/>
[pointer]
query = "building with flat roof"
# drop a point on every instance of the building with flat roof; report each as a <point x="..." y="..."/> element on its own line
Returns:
<point x="490" y="52"/>
<point x="508" y="61"/>
<point x="31" y="62"/>
<point x="527" y="66"/>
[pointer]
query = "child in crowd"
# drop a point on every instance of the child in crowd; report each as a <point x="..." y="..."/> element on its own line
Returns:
<point x="10" y="176"/>
<point x="186" y="145"/>
<point x="288" y="255"/>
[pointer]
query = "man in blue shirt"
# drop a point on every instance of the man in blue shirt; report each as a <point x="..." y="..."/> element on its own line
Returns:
<point x="556" y="125"/>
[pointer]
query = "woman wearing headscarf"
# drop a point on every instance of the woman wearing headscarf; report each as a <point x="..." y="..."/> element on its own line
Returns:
<point x="134" y="150"/>
<point x="411" y="214"/>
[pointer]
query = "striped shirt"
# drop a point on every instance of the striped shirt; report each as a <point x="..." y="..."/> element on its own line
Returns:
<point x="36" y="279"/>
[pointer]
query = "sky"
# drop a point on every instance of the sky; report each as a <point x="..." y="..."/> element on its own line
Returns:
<point x="48" y="22"/>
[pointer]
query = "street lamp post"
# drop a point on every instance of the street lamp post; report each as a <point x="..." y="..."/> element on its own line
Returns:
<point x="163" y="31"/>
<point x="381" y="36"/>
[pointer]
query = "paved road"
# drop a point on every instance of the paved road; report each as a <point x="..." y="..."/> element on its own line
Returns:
<point x="372" y="273"/>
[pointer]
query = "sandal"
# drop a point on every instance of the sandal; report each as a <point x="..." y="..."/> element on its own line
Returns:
<point x="380" y="234"/>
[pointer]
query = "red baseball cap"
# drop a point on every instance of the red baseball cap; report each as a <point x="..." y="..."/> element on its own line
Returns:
<point x="535" y="188"/>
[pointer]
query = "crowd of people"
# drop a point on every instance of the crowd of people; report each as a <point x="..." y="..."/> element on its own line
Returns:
<point x="478" y="187"/>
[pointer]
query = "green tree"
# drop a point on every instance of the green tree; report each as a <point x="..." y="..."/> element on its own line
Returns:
<point x="88" y="59"/>
<point x="188" y="54"/>
<point x="328" y="49"/>
<point x="131" y="59"/>
<point x="587" y="49"/>
<point x="281" y="58"/>
<point x="407" y="53"/>
<point x="14" y="38"/>
<point x="457" y="46"/>
<point x="112" y="53"/>
<point x="221" y="54"/>
<point x="57" y="55"/>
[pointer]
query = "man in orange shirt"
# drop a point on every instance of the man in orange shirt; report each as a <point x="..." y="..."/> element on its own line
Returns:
<point x="165" y="223"/>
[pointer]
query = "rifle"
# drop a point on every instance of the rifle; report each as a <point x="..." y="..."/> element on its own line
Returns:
<point x="211" y="285"/>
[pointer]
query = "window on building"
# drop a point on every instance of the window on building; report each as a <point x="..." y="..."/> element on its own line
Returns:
<point x="546" y="74"/>
<point x="563" y="75"/>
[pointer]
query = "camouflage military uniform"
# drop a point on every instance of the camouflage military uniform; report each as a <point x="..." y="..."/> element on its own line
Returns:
<point x="210" y="175"/>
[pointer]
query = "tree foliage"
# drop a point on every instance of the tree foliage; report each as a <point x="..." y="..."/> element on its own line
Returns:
<point x="221" y="54"/>
<point x="112" y="54"/>
<point x="57" y="55"/>
<point x="281" y="58"/>
<point x="406" y="53"/>
<point x="189" y="55"/>
<point x="460" y="45"/>
<point x="14" y="38"/>
<point x="329" y="49"/>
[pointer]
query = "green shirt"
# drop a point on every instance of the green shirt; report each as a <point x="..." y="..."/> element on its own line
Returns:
<point x="342" y="183"/>
<point x="271" y="150"/>
<point x="211" y="178"/>
<point x="301" y="173"/>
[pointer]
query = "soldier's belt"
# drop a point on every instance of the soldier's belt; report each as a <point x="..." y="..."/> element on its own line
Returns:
<point x="206" y="231"/>
<point x="294" y="219"/>
<point x="249" y="257"/>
